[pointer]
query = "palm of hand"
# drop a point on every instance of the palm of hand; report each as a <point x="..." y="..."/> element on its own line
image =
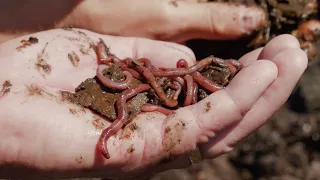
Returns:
<point x="43" y="130"/>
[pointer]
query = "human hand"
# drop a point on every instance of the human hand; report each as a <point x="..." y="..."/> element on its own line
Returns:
<point x="169" y="20"/>
<point x="43" y="135"/>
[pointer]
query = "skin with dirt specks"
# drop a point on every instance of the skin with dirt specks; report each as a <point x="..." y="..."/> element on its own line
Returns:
<point x="30" y="129"/>
<point x="46" y="124"/>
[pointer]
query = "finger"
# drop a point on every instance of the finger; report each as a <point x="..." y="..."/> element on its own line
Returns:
<point x="250" y="57"/>
<point x="272" y="48"/>
<point x="161" y="53"/>
<point x="56" y="46"/>
<point x="196" y="124"/>
<point x="291" y="64"/>
<point x="213" y="20"/>
<point x="277" y="45"/>
<point x="223" y="108"/>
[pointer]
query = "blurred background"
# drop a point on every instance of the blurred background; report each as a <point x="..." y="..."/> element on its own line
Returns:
<point x="288" y="146"/>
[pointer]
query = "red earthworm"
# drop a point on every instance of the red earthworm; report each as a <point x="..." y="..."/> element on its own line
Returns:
<point x="159" y="91"/>
<point x="151" y="108"/>
<point x="111" y="84"/>
<point x="206" y="83"/>
<point x="180" y="80"/>
<point x="176" y="85"/>
<point x="127" y="61"/>
<point x="104" y="54"/>
<point x="163" y="68"/>
<point x="184" y="71"/>
<point x="102" y="50"/>
<point x="161" y="80"/>
<point x="189" y="93"/>
<point x="195" y="93"/>
<point x="133" y="72"/>
<point x="233" y="65"/>
<point x="182" y="63"/>
<point x="146" y="62"/>
<point x="122" y="111"/>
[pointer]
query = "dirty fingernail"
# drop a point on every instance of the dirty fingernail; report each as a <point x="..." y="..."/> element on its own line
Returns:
<point x="251" y="19"/>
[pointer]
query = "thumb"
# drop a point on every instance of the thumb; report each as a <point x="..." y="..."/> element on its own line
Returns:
<point x="214" y="21"/>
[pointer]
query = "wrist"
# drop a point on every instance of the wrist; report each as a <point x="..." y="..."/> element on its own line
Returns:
<point x="82" y="16"/>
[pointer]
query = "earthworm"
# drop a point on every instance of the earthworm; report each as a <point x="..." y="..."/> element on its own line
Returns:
<point x="122" y="111"/>
<point x="182" y="63"/>
<point x="102" y="50"/>
<point x="133" y="72"/>
<point x="189" y="92"/>
<point x="233" y="65"/>
<point x="161" y="80"/>
<point x="146" y="62"/>
<point x="176" y="85"/>
<point x="183" y="71"/>
<point x="180" y="80"/>
<point x="205" y="82"/>
<point x="195" y="93"/>
<point x="151" y="108"/>
<point x="111" y="84"/>
<point x="104" y="54"/>
<point x="159" y="91"/>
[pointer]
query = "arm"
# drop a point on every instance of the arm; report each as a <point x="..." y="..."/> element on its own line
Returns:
<point x="154" y="19"/>
<point x="24" y="17"/>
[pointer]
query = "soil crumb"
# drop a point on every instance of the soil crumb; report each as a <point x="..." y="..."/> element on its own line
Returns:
<point x="174" y="3"/>
<point x="41" y="65"/>
<point x="34" y="90"/>
<point x="66" y="96"/>
<point x="173" y="135"/>
<point x="29" y="42"/>
<point x="77" y="111"/>
<point x="131" y="149"/>
<point x="74" y="58"/>
<point x="79" y="159"/>
<point x="208" y="106"/>
<point x="6" y="87"/>
<point x="98" y="124"/>
<point x="67" y="27"/>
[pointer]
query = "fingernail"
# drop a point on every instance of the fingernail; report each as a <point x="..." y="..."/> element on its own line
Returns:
<point x="252" y="19"/>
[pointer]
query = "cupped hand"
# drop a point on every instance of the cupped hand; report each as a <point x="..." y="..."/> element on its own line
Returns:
<point x="169" y="20"/>
<point x="42" y="134"/>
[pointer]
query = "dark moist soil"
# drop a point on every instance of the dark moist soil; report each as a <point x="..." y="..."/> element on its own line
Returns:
<point x="288" y="146"/>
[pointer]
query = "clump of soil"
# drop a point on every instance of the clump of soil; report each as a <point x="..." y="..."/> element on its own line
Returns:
<point x="29" y="42"/>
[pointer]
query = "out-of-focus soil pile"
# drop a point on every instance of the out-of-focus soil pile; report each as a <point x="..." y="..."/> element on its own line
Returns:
<point x="288" y="146"/>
